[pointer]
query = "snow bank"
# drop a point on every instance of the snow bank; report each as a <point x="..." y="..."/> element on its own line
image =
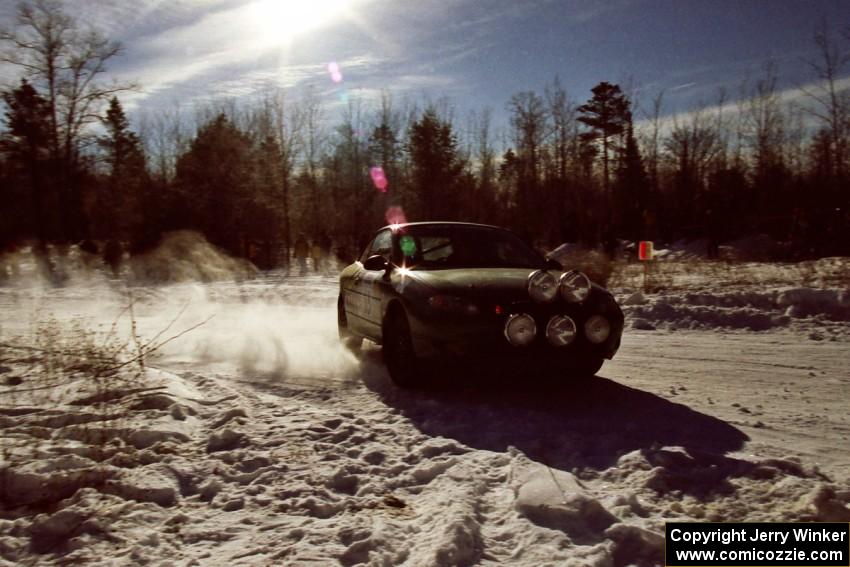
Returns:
<point x="752" y="310"/>
<point x="756" y="247"/>
<point x="181" y="256"/>
<point x="186" y="256"/>
<point x="683" y="250"/>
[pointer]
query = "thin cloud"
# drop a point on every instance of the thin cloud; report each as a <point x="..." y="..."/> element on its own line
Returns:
<point x="681" y="87"/>
<point x="794" y="96"/>
<point x="222" y="43"/>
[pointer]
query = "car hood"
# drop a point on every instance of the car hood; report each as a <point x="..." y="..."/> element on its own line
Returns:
<point x="505" y="283"/>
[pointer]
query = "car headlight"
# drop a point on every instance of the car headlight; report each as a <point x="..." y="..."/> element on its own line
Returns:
<point x="452" y="304"/>
<point x="560" y="331"/>
<point x="574" y="286"/>
<point x="542" y="286"/>
<point x="597" y="329"/>
<point x="520" y="329"/>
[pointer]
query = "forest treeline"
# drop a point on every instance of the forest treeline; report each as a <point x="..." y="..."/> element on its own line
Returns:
<point x="256" y="174"/>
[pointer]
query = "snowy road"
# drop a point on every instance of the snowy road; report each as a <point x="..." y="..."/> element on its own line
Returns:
<point x="268" y="444"/>
<point x="787" y="393"/>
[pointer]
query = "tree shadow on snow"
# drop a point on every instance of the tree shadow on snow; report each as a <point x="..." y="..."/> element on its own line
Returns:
<point x="587" y="423"/>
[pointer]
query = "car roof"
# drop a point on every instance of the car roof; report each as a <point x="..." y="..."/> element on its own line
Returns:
<point x="432" y="223"/>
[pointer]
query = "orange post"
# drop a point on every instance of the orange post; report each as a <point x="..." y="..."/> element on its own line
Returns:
<point x="645" y="253"/>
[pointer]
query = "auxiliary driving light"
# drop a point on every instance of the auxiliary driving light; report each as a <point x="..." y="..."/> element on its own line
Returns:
<point x="597" y="329"/>
<point x="520" y="329"/>
<point x="560" y="331"/>
<point x="542" y="286"/>
<point x="575" y="286"/>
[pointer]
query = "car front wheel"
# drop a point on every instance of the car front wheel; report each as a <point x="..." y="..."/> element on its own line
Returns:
<point x="399" y="356"/>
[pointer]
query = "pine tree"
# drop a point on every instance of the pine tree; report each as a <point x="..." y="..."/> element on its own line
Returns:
<point x="631" y="190"/>
<point x="124" y="198"/>
<point x="606" y="114"/>
<point x="65" y="60"/>
<point x="216" y="180"/>
<point x="435" y="167"/>
<point x="29" y="195"/>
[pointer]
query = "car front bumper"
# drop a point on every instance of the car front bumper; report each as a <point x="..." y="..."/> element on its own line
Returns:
<point x="483" y="337"/>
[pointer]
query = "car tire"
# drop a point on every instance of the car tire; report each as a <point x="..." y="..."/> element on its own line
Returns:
<point x="587" y="367"/>
<point x="399" y="356"/>
<point x="349" y="340"/>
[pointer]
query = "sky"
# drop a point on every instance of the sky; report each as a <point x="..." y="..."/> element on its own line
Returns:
<point x="474" y="53"/>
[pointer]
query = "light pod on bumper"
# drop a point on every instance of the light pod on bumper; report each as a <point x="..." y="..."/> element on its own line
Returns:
<point x="542" y="286"/>
<point x="597" y="329"/>
<point x="560" y="331"/>
<point x="520" y="329"/>
<point x="574" y="286"/>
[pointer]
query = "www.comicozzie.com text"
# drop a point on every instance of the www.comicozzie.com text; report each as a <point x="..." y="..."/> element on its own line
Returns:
<point x="743" y="534"/>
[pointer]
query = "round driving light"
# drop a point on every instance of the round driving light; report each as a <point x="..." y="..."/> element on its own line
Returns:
<point x="597" y="329"/>
<point x="575" y="286"/>
<point x="542" y="286"/>
<point x="520" y="329"/>
<point x="560" y="331"/>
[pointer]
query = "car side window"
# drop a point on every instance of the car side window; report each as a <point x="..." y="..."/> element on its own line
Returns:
<point x="436" y="248"/>
<point x="382" y="245"/>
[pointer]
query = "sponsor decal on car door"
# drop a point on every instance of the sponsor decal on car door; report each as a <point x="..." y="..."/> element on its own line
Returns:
<point x="371" y="289"/>
<point x="362" y="297"/>
<point x="355" y="302"/>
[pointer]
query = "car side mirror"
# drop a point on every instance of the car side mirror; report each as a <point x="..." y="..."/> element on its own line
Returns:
<point x="553" y="265"/>
<point x="375" y="263"/>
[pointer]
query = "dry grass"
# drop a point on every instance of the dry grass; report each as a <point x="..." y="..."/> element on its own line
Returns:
<point x="68" y="395"/>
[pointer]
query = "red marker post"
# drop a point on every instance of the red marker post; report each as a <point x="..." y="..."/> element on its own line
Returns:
<point x="645" y="254"/>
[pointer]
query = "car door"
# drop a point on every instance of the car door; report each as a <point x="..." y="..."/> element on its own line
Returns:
<point x="363" y="296"/>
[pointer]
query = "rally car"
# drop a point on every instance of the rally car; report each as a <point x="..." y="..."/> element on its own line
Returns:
<point x="469" y="294"/>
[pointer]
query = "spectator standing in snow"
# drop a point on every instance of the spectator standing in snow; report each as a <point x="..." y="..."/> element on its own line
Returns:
<point x="302" y="248"/>
<point x="318" y="253"/>
<point x="113" y="253"/>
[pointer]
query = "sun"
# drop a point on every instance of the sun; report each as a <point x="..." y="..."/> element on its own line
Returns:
<point x="277" y="22"/>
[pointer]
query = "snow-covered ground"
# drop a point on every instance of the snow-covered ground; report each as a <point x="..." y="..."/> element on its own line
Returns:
<point x="254" y="439"/>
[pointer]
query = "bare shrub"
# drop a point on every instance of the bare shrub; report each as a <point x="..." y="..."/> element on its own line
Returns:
<point x="595" y="264"/>
<point x="70" y="398"/>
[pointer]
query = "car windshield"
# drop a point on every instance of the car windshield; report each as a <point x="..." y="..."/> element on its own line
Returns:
<point x="458" y="246"/>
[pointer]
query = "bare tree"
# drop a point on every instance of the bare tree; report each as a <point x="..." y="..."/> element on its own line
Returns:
<point x="164" y="135"/>
<point x="288" y="123"/>
<point x="354" y="148"/>
<point x="764" y="120"/>
<point x="691" y="146"/>
<point x="529" y="124"/>
<point x="484" y="158"/>
<point x="830" y="102"/>
<point x="652" y="143"/>
<point x="564" y="126"/>
<point x="795" y="138"/>
<point x="721" y="126"/>
<point x="66" y="62"/>
<point x="313" y="144"/>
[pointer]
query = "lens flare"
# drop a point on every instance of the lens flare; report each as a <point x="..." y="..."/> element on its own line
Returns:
<point x="395" y="215"/>
<point x="379" y="179"/>
<point x="335" y="72"/>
